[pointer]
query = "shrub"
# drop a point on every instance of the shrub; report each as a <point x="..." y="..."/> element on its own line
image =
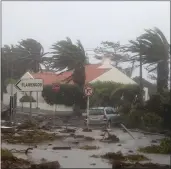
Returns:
<point x="151" y="119"/>
<point x="68" y="95"/>
<point x="134" y="118"/>
<point x="109" y="93"/>
<point x="27" y="98"/>
<point x="163" y="148"/>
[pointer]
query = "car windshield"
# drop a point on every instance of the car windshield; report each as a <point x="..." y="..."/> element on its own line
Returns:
<point x="110" y="111"/>
<point x="96" y="112"/>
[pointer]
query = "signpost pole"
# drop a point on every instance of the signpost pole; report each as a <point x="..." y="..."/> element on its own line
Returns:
<point x="37" y="99"/>
<point x="88" y="91"/>
<point x="87" y="112"/>
<point x="30" y="106"/>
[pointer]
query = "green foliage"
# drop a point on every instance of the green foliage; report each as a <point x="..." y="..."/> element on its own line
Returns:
<point x="133" y="119"/>
<point x="154" y="50"/>
<point x="120" y="157"/>
<point x="102" y="93"/>
<point x="16" y="60"/>
<point x="68" y="95"/>
<point x="36" y="136"/>
<point x="151" y="119"/>
<point x="143" y="119"/>
<point x="67" y="55"/>
<point x="110" y="93"/>
<point x="163" y="148"/>
<point x="6" y="155"/>
<point x="105" y="94"/>
<point x="10" y="81"/>
<point x="27" y="98"/>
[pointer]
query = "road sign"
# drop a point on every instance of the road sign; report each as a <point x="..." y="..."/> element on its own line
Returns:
<point x="30" y="85"/>
<point x="88" y="90"/>
<point x="56" y="87"/>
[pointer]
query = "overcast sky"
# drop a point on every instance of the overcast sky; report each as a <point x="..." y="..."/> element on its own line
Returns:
<point x="91" y="22"/>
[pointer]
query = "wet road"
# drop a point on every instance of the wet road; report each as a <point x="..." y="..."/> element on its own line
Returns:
<point x="77" y="158"/>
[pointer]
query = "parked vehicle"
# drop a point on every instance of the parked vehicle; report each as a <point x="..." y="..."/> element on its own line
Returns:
<point x="103" y="116"/>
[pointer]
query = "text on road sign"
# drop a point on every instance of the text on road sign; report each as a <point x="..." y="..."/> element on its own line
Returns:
<point x="31" y="84"/>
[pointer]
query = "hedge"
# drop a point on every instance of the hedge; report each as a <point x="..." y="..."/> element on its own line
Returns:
<point x="68" y="95"/>
<point x="105" y="94"/>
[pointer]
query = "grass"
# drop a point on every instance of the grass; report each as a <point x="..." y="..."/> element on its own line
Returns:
<point x="163" y="148"/>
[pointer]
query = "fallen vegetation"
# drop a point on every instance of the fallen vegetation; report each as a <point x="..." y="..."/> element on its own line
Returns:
<point x="163" y="148"/>
<point x="123" y="165"/>
<point x="89" y="138"/>
<point x="87" y="147"/>
<point x="9" y="161"/>
<point x="120" y="157"/>
<point x="87" y="130"/>
<point x="27" y="125"/>
<point x="36" y="136"/>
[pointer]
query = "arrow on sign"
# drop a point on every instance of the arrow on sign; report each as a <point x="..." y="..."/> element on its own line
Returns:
<point x="16" y="85"/>
<point x="29" y="85"/>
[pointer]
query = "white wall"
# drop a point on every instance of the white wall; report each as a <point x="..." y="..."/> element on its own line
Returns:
<point x="41" y="103"/>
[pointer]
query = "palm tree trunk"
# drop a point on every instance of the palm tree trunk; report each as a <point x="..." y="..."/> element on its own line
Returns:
<point x="162" y="76"/>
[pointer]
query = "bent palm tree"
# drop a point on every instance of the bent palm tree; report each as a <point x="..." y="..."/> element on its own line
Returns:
<point x="154" y="49"/>
<point x="33" y="54"/>
<point x="68" y="56"/>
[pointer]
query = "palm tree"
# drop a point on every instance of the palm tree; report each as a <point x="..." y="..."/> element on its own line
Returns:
<point x="153" y="48"/>
<point x="33" y="54"/>
<point x="70" y="57"/>
<point x="7" y="71"/>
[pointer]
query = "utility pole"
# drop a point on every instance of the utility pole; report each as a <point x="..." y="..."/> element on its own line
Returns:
<point x="141" y="79"/>
<point x="12" y="99"/>
<point x="170" y="79"/>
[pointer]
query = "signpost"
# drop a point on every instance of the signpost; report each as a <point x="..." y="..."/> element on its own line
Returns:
<point x="88" y="91"/>
<point x="55" y="88"/>
<point x="30" y="85"/>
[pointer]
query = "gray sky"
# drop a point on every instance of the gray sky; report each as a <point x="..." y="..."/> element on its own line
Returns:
<point x="91" y="22"/>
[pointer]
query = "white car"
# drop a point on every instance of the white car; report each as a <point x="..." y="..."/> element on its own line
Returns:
<point x="102" y="116"/>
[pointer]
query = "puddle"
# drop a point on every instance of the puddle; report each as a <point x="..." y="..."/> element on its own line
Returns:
<point x="77" y="158"/>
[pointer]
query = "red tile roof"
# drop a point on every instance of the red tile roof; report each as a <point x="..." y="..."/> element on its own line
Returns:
<point x="92" y="72"/>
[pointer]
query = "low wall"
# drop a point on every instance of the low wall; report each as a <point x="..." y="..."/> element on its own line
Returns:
<point x="44" y="107"/>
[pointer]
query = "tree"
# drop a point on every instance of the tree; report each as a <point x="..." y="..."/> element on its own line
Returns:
<point x="16" y="60"/>
<point x="8" y="57"/>
<point x="32" y="53"/>
<point x="112" y="50"/>
<point x="70" y="57"/>
<point x="154" y="50"/>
